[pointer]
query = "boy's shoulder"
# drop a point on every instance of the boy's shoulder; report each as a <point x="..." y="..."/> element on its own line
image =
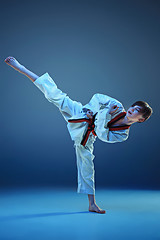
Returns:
<point x="109" y="100"/>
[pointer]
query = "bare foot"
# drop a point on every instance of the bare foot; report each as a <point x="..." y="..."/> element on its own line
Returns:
<point x="11" y="61"/>
<point x="95" y="208"/>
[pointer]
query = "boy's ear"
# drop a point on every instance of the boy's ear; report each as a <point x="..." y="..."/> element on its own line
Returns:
<point x="141" y="120"/>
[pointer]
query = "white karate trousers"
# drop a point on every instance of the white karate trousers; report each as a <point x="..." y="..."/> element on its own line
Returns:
<point x="69" y="108"/>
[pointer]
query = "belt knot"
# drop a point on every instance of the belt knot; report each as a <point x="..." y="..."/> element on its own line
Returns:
<point x="90" y="128"/>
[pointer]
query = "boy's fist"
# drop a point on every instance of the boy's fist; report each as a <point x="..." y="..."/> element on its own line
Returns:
<point x="113" y="108"/>
<point x="89" y="114"/>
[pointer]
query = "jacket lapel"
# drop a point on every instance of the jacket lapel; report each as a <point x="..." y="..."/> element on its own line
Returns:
<point x="117" y="128"/>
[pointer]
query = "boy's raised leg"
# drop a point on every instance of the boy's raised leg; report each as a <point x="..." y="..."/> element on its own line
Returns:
<point x="11" y="61"/>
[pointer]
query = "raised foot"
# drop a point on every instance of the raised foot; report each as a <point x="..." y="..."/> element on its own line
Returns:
<point x="11" y="61"/>
<point x="95" y="208"/>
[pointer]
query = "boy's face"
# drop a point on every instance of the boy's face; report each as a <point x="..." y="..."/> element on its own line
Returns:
<point x="134" y="114"/>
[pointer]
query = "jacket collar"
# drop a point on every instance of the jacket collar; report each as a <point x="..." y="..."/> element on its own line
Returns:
<point x="121" y="127"/>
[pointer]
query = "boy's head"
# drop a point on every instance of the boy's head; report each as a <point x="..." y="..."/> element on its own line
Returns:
<point x="139" y="112"/>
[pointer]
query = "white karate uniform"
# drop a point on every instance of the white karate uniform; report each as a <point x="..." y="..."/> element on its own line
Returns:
<point x="74" y="110"/>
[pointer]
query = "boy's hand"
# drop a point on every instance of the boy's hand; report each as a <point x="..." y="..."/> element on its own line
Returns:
<point x="89" y="114"/>
<point x="113" y="108"/>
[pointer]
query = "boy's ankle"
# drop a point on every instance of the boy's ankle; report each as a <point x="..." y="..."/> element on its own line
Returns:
<point x="22" y="69"/>
<point x="92" y="204"/>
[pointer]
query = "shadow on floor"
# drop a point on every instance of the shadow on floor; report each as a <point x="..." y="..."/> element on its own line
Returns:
<point x="15" y="217"/>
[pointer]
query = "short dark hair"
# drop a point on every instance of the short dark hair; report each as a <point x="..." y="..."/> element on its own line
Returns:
<point x="145" y="109"/>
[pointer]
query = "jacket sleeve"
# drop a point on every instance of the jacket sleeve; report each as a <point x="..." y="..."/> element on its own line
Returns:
<point x="117" y="136"/>
<point x="99" y="100"/>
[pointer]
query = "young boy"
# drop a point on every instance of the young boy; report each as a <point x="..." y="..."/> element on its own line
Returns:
<point x="103" y="117"/>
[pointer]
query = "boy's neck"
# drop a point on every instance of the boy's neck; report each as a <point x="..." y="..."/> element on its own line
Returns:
<point x="126" y="121"/>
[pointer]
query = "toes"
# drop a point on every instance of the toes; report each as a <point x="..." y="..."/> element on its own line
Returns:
<point x="6" y="60"/>
<point x="102" y="211"/>
<point x="9" y="59"/>
<point x="97" y="210"/>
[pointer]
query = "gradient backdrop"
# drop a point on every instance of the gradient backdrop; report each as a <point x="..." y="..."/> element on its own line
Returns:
<point x="87" y="47"/>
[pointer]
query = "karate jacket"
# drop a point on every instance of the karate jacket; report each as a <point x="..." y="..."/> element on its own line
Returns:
<point x="99" y="104"/>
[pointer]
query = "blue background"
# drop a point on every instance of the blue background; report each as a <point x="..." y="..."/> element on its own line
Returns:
<point x="87" y="47"/>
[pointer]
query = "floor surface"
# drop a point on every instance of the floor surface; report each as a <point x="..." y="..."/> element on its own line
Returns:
<point x="63" y="214"/>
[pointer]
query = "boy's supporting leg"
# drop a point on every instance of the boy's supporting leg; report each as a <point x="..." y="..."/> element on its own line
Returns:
<point x="85" y="167"/>
<point x="11" y="61"/>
